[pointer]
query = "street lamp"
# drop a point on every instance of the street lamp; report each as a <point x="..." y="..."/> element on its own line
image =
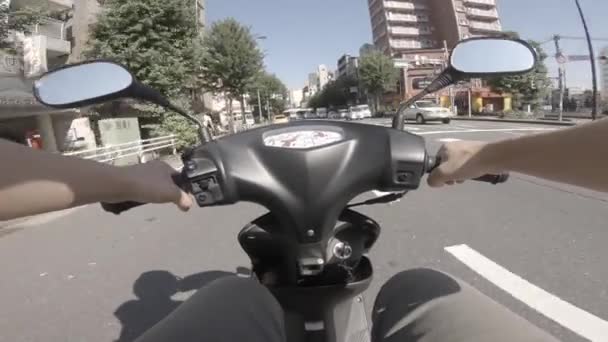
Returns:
<point x="591" y="58"/>
<point x="259" y="99"/>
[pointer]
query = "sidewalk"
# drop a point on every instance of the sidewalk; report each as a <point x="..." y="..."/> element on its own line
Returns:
<point x="568" y="122"/>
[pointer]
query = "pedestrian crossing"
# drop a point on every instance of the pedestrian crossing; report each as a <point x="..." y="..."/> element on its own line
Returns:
<point x="465" y="127"/>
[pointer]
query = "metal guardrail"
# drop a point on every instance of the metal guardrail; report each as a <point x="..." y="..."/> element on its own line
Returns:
<point x="111" y="153"/>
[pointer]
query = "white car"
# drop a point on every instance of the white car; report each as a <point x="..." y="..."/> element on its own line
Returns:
<point x="333" y="115"/>
<point x="354" y="114"/>
<point x="423" y="111"/>
<point x="310" y="115"/>
<point x="343" y="113"/>
<point x="249" y="119"/>
<point x="322" y="113"/>
<point x="364" y="111"/>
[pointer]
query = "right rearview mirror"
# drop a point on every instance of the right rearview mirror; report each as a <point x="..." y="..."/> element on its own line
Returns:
<point x="492" y="56"/>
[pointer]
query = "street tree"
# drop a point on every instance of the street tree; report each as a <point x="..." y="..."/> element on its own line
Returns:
<point x="337" y="93"/>
<point x="377" y="74"/>
<point x="531" y="88"/>
<point x="230" y="60"/>
<point x="272" y="91"/>
<point x="156" y="41"/>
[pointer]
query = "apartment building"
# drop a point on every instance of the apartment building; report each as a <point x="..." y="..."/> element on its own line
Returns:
<point x="347" y="66"/>
<point x="604" y="74"/>
<point x="402" y="25"/>
<point x="22" y="118"/>
<point x="419" y="34"/>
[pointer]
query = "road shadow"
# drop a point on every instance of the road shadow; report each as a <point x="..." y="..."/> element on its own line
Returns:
<point x="154" y="290"/>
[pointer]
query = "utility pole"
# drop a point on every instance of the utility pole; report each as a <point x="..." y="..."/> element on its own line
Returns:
<point x="592" y="58"/>
<point x="260" y="105"/>
<point x="470" y="102"/>
<point x="561" y="59"/>
<point x="268" y="107"/>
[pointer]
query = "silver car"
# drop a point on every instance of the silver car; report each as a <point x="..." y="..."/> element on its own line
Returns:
<point x="423" y="111"/>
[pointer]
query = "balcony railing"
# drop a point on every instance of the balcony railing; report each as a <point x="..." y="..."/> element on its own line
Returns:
<point x="407" y="18"/>
<point x="51" y="28"/>
<point x="405" y="44"/>
<point x="482" y="2"/>
<point x="404" y="5"/>
<point x="481" y="26"/>
<point x="409" y="31"/>
<point x="476" y="12"/>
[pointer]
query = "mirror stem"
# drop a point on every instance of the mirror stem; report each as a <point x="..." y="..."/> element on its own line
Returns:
<point x="203" y="132"/>
<point x="144" y="92"/>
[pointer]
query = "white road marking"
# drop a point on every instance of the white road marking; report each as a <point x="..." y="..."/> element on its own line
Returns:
<point x="465" y="126"/>
<point x="579" y="321"/>
<point x="380" y="193"/>
<point x="488" y="130"/>
<point x="446" y="140"/>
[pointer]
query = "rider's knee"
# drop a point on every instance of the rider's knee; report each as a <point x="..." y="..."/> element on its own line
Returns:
<point x="418" y="285"/>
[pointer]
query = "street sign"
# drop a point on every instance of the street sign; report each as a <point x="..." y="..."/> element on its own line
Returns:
<point x="561" y="59"/>
<point x="401" y="63"/>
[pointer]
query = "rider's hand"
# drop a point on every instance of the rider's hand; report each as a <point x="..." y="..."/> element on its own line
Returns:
<point x="460" y="161"/>
<point x="152" y="183"/>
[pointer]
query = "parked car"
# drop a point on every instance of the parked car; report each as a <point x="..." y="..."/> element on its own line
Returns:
<point x="364" y="111"/>
<point x="343" y="113"/>
<point x="310" y="115"/>
<point x="423" y="111"/>
<point x="333" y="115"/>
<point x="294" y="114"/>
<point x="354" y="114"/>
<point x="279" y="119"/>
<point x="322" y="113"/>
<point x="249" y="119"/>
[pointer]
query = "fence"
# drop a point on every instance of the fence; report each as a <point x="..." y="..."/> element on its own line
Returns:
<point x="138" y="148"/>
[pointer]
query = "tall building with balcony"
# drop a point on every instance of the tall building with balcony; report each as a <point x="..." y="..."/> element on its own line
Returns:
<point x="47" y="46"/>
<point x="604" y="75"/>
<point x="418" y="34"/>
<point x="405" y="25"/>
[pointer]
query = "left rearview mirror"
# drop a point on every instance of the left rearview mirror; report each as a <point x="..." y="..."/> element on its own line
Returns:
<point x="83" y="84"/>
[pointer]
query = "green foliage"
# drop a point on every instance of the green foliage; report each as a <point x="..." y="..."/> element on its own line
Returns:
<point x="377" y="74"/>
<point x="230" y="58"/>
<point x="335" y="94"/>
<point x="17" y="20"/>
<point x="271" y="89"/>
<point x="173" y="123"/>
<point x="155" y="39"/>
<point x="531" y="88"/>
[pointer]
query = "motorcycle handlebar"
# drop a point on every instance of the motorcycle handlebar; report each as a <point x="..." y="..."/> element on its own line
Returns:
<point x="119" y="208"/>
<point x="434" y="162"/>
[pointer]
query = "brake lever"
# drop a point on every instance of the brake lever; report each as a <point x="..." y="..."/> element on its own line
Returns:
<point x="392" y="197"/>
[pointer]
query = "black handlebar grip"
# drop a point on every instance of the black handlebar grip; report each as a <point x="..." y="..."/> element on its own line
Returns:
<point x="493" y="179"/>
<point x="432" y="162"/>
<point x="119" y="208"/>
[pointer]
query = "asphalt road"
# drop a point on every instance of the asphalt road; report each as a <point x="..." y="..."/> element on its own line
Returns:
<point x="65" y="280"/>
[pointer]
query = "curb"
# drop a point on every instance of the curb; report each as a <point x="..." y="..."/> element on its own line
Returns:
<point x="537" y="122"/>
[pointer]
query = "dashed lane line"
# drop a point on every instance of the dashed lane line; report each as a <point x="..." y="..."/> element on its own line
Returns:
<point x="569" y="316"/>
<point x="488" y="130"/>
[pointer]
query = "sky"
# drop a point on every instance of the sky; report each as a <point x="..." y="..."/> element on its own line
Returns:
<point x="301" y="34"/>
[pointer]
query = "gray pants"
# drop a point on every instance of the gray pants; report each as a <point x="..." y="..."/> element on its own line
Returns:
<point x="415" y="305"/>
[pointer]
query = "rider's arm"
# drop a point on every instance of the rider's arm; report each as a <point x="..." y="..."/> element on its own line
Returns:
<point x="575" y="156"/>
<point x="34" y="182"/>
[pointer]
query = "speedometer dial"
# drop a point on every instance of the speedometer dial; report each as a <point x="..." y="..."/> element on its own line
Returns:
<point x="302" y="139"/>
